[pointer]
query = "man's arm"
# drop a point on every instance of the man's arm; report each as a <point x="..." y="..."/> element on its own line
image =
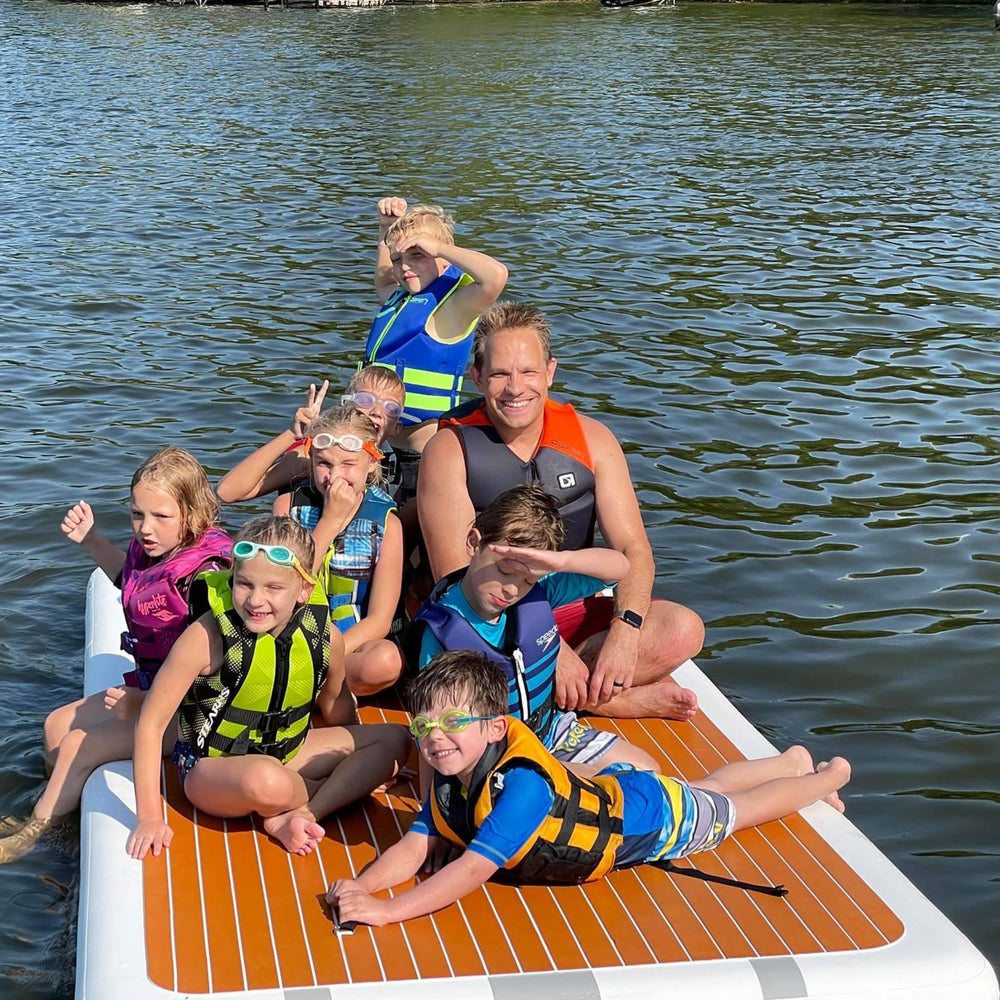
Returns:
<point x="443" y="505"/>
<point x="620" y="522"/>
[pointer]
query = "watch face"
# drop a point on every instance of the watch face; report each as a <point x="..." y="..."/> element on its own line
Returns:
<point x="631" y="618"/>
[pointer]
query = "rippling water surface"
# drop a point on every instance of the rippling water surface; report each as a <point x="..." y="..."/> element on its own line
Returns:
<point x="766" y="236"/>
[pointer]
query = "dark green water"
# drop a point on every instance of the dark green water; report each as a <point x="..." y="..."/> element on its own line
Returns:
<point x="766" y="236"/>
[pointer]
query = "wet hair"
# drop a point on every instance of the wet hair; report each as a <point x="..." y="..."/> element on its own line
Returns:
<point x="430" y="219"/>
<point x="347" y="419"/>
<point x="509" y="316"/>
<point x="525" y="516"/>
<point x="377" y="379"/>
<point x="265" y="530"/>
<point x="462" y="676"/>
<point x="179" y="473"/>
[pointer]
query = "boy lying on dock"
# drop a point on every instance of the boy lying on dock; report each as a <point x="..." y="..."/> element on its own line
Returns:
<point x="515" y="810"/>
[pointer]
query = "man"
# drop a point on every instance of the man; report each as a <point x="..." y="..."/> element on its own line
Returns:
<point x="618" y="652"/>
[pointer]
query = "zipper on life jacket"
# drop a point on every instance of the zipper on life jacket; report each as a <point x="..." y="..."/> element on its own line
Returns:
<point x="522" y="687"/>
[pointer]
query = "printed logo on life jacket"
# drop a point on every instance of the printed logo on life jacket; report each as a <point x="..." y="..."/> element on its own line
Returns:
<point x="155" y="603"/>
<point x="420" y="299"/>
<point x="566" y="481"/>
<point x="545" y="640"/>
<point x="217" y="706"/>
<point x="571" y="449"/>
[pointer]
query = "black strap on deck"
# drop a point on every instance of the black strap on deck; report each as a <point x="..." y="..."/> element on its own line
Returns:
<point x="768" y="890"/>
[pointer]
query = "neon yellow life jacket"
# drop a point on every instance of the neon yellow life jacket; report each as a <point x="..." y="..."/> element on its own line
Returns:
<point x="261" y="698"/>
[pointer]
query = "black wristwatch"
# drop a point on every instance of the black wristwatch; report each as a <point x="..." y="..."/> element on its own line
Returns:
<point x="630" y="618"/>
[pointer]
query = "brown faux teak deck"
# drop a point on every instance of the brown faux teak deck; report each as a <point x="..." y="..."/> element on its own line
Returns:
<point x="226" y="909"/>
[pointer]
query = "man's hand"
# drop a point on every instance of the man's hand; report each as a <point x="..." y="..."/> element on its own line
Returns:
<point x="572" y="678"/>
<point x="614" y="667"/>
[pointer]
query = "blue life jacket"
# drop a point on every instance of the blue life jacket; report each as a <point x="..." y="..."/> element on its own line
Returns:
<point x="528" y="657"/>
<point x="398" y="339"/>
<point x="351" y="559"/>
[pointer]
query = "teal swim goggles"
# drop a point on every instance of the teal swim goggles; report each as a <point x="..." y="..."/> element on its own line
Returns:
<point x="452" y="721"/>
<point x="280" y="555"/>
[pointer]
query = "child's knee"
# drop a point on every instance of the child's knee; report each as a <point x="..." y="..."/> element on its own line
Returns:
<point x="270" y="786"/>
<point x="57" y="724"/>
<point x="378" y="667"/>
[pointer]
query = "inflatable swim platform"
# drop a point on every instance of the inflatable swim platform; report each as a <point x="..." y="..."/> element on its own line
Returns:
<point x="227" y="913"/>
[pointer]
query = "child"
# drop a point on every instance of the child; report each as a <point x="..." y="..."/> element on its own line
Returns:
<point x="175" y="538"/>
<point x="266" y="640"/>
<point x="508" y="804"/>
<point x="432" y="292"/>
<point x="502" y="605"/>
<point x="378" y="393"/>
<point x="358" y="539"/>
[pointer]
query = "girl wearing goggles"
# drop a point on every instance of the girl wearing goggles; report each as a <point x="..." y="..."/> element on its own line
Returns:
<point x="236" y="754"/>
<point x="329" y="484"/>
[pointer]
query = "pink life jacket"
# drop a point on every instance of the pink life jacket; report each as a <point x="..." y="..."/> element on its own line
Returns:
<point x="155" y="599"/>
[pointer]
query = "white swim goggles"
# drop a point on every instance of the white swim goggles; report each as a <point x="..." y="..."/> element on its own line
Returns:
<point x="349" y="442"/>
<point x="280" y="555"/>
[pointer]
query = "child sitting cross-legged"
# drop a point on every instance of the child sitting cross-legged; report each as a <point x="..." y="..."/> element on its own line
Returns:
<point x="511" y="807"/>
<point x="241" y="683"/>
<point x="501" y="605"/>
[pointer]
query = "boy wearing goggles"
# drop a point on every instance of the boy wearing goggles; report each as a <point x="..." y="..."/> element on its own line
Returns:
<point x="502" y="606"/>
<point x="516" y="812"/>
<point x="214" y="696"/>
<point x="332" y="490"/>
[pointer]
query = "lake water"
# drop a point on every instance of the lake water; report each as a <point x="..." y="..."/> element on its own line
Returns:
<point x="766" y="237"/>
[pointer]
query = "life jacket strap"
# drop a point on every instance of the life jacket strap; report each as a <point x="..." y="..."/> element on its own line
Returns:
<point x="768" y="890"/>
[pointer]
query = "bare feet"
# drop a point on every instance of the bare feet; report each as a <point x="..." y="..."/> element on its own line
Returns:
<point x="296" y="831"/>
<point x="799" y="761"/>
<point x="840" y="771"/>
<point x="664" y="699"/>
<point x="18" y="844"/>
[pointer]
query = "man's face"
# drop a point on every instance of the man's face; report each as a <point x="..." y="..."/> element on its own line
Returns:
<point x="514" y="379"/>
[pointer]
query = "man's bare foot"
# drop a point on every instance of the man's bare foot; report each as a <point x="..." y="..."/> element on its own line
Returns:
<point x="840" y="770"/>
<point x="664" y="699"/>
<point x="296" y="831"/>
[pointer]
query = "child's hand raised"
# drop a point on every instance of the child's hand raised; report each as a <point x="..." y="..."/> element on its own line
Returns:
<point x="389" y="210"/>
<point x="419" y="241"/>
<point x="78" y="521"/>
<point x="532" y="562"/>
<point x="305" y="415"/>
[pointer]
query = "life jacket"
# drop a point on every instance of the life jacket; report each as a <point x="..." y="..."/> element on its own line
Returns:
<point x="350" y="561"/>
<point x="398" y="339"/>
<point x="576" y="842"/>
<point x="561" y="465"/>
<point x="528" y="655"/>
<point x="261" y="698"/>
<point x="155" y="599"/>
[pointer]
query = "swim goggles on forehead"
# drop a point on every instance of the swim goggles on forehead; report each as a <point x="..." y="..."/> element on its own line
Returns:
<point x="453" y="721"/>
<point x="366" y="400"/>
<point x="349" y="442"/>
<point x="280" y="555"/>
